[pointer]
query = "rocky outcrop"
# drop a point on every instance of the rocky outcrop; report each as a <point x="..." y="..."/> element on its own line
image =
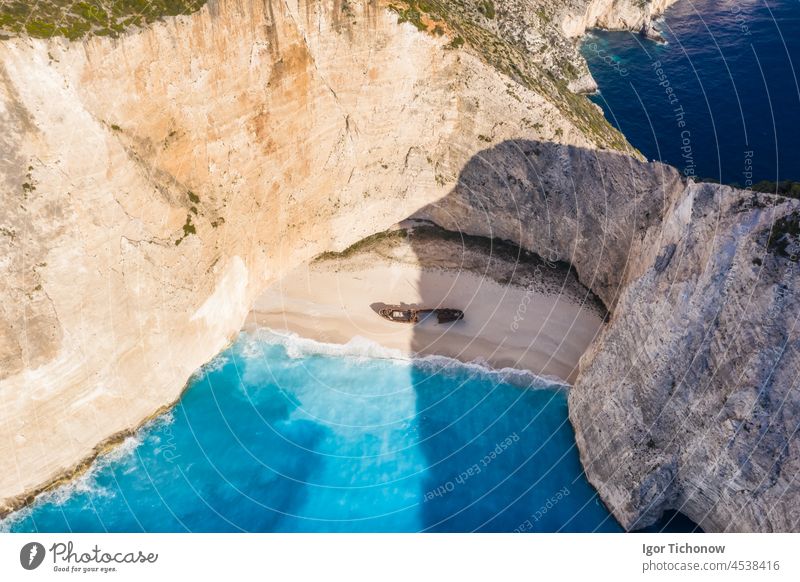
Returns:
<point x="588" y="208"/>
<point x="548" y="29"/>
<point x="689" y="398"/>
<point x="635" y="15"/>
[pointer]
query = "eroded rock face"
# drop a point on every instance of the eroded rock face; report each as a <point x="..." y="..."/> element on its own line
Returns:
<point x="689" y="398"/>
<point x="153" y="185"/>
<point x="589" y="208"/>
<point x="548" y="28"/>
<point x="635" y="15"/>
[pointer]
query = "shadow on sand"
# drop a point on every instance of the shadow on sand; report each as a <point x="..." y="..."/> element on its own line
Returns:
<point x="582" y="209"/>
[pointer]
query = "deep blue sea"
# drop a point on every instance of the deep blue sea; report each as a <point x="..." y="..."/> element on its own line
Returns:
<point x="720" y="100"/>
<point x="281" y="434"/>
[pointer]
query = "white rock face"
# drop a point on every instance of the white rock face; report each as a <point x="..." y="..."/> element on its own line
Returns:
<point x="153" y="185"/>
<point x="589" y="208"/>
<point x="688" y="400"/>
<point x="636" y="15"/>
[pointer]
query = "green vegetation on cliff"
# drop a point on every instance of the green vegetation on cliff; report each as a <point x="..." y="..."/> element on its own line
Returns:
<point x="784" y="238"/>
<point x="784" y="234"/>
<point x="787" y="188"/>
<point x="363" y="245"/>
<point x="74" y="20"/>
<point x="473" y="23"/>
<point x="478" y="24"/>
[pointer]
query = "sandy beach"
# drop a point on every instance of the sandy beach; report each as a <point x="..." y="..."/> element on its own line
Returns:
<point x="517" y="314"/>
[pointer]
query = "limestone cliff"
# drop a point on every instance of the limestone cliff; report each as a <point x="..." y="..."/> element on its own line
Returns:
<point x="534" y="40"/>
<point x="636" y="15"/>
<point x="688" y="400"/>
<point x="588" y="208"/>
<point x="547" y="29"/>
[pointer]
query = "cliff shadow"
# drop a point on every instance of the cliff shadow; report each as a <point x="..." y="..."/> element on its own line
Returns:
<point x="536" y="238"/>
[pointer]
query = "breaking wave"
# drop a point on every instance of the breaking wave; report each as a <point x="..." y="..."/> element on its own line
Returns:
<point x="360" y="348"/>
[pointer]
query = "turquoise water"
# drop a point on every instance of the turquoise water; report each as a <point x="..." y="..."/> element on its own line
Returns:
<point x="721" y="100"/>
<point x="280" y="434"/>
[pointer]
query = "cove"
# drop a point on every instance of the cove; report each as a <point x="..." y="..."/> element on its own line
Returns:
<point x="282" y="434"/>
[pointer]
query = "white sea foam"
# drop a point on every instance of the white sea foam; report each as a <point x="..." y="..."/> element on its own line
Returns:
<point x="300" y="347"/>
<point x="86" y="482"/>
<point x="358" y="348"/>
<point x="361" y="348"/>
<point x="150" y="428"/>
<point x="214" y="365"/>
<point x="514" y="376"/>
<point x="7" y="524"/>
<point x="166" y="419"/>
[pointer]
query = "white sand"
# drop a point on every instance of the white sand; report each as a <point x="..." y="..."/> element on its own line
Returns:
<point x="330" y="303"/>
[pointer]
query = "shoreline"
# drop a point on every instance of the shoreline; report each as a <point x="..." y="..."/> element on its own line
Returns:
<point x="506" y="375"/>
<point x="359" y="347"/>
<point x="328" y="302"/>
<point x="518" y="313"/>
<point x="85" y="465"/>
